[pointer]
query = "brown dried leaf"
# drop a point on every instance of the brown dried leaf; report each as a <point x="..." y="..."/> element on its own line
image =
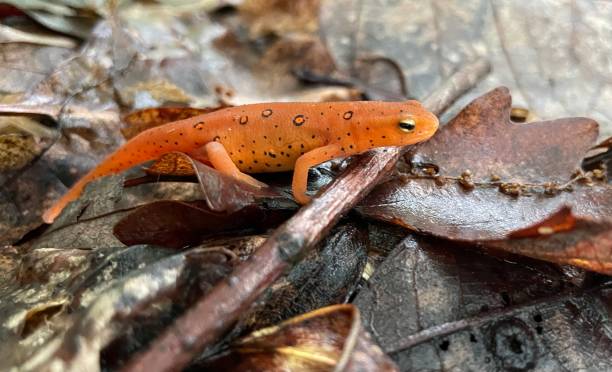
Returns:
<point x="565" y="239"/>
<point x="178" y="224"/>
<point x="326" y="339"/>
<point x="486" y="162"/>
<point x="142" y="120"/>
<point x="172" y="164"/>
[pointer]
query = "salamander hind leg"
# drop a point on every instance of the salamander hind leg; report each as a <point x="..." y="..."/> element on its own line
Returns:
<point x="303" y="164"/>
<point x="218" y="157"/>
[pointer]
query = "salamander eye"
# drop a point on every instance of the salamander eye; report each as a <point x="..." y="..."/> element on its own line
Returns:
<point x="407" y="125"/>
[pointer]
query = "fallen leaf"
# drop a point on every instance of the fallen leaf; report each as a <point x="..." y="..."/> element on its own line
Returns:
<point x="565" y="239"/>
<point x="433" y="304"/>
<point x="492" y="176"/>
<point x="179" y="224"/>
<point x="326" y="339"/>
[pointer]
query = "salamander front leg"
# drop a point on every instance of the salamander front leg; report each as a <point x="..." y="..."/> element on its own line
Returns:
<point x="218" y="157"/>
<point x="303" y="164"/>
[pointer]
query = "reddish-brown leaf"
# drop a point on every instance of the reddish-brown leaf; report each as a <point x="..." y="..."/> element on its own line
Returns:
<point x="179" y="224"/>
<point x="565" y="239"/>
<point x="510" y="165"/>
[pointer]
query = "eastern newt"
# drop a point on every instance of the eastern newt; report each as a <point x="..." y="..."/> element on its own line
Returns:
<point x="271" y="137"/>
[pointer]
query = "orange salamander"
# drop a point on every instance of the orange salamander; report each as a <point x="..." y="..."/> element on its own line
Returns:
<point x="271" y="137"/>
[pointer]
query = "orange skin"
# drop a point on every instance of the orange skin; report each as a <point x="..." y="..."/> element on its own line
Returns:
<point x="270" y="137"/>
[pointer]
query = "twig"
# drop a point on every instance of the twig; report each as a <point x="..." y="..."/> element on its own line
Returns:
<point x="459" y="83"/>
<point x="217" y="311"/>
<point x="448" y="328"/>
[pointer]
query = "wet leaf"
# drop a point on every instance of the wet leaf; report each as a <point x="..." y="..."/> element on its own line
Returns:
<point x="565" y="239"/>
<point x="434" y="304"/>
<point x="493" y="176"/>
<point x="327" y="339"/>
<point x="89" y="220"/>
<point x="141" y="120"/>
<point x="178" y="224"/>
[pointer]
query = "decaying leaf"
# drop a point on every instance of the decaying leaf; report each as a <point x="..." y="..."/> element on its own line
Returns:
<point x="326" y="339"/>
<point x="435" y="305"/>
<point x="178" y="224"/>
<point x="172" y="164"/>
<point x="565" y="239"/>
<point x="482" y="176"/>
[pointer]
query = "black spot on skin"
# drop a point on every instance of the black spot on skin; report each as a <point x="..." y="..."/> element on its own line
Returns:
<point x="347" y="115"/>
<point x="240" y="161"/>
<point x="288" y="146"/>
<point x="302" y="153"/>
<point x="255" y="161"/>
<point x="176" y="143"/>
<point x="383" y="137"/>
<point x="279" y="165"/>
<point x="239" y="150"/>
<point x="253" y="141"/>
<point x="272" y="155"/>
<point x="265" y="137"/>
<point x="275" y="125"/>
<point x="321" y="113"/>
<point x="280" y="139"/>
<point x="250" y="168"/>
<point x="301" y="145"/>
<point x="367" y="128"/>
<point x="166" y="141"/>
<point x="339" y="138"/>
<point x="199" y="125"/>
<point x="348" y="134"/>
<point x="342" y="149"/>
<point x="267" y="164"/>
<point x="242" y="146"/>
<point x="313" y="136"/>
<point x="181" y="133"/>
<point x="350" y="146"/>
<point x="299" y="120"/>
<point x="231" y="153"/>
<point x="266" y="113"/>
<point x="243" y="120"/>
<point x="253" y="152"/>
<point x="282" y="153"/>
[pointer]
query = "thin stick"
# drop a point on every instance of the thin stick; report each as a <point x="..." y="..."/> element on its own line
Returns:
<point x="454" y="87"/>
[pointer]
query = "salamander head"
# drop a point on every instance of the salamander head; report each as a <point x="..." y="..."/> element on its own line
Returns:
<point x="397" y="124"/>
